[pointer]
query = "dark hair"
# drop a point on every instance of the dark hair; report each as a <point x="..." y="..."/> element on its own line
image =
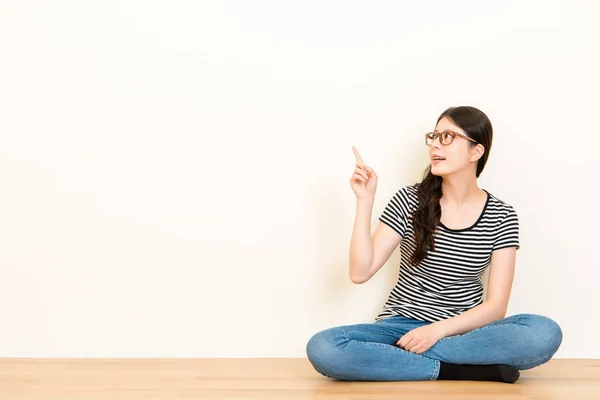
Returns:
<point x="429" y="191"/>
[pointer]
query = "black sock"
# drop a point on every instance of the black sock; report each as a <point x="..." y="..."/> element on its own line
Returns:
<point x="465" y="372"/>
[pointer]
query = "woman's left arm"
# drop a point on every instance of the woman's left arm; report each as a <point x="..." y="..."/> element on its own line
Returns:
<point x="502" y="272"/>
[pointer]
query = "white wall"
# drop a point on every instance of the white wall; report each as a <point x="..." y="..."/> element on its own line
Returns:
<point x="174" y="175"/>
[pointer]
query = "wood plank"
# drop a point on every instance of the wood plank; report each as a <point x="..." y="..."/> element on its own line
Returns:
<point x="266" y="378"/>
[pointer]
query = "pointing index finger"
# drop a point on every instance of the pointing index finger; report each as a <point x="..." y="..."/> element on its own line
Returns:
<point x="359" y="159"/>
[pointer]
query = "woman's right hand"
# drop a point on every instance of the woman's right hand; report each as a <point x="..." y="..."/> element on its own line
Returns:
<point x="364" y="180"/>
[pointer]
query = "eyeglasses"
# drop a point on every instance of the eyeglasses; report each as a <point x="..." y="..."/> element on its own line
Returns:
<point x="446" y="137"/>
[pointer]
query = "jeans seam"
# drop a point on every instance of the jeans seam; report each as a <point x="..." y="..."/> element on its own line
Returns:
<point x="536" y="360"/>
<point x="508" y="320"/>
<point x="384" y="334"/>
<point x="436" y="370"/>
<point x="384" y="345"/>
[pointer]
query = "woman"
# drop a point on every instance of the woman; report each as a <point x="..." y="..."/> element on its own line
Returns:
<point x="435" y="324"/>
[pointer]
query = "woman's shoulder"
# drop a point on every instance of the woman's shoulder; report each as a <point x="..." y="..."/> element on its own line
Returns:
<point x="408" y="192"/>
<point x="407" y="197"/>
<point x="499" y="206"/>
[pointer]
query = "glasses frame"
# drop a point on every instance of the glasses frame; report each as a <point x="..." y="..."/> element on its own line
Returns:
<point x="452" y="133"/>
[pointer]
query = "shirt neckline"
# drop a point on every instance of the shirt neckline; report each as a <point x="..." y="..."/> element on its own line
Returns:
<point x="487" y="201"/>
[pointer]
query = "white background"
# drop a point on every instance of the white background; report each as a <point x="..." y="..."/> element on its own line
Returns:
<point x="174" y="174"/>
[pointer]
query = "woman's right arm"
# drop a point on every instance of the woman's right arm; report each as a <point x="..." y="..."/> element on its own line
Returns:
<point x="368" y="254"/>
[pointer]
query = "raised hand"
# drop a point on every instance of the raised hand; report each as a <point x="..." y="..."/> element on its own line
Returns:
<point x="364" y="180"/>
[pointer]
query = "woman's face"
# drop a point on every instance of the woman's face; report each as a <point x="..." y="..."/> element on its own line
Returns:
<point x="456" y="156"/>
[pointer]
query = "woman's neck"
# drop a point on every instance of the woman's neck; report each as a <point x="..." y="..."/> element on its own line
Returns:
<point x="459" y="191"/>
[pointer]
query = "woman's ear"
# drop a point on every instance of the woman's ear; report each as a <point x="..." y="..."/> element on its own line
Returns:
<point x="477" y="152"/>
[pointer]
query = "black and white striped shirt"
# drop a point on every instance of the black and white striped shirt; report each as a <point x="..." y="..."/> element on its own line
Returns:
<point x="448" y="281"/>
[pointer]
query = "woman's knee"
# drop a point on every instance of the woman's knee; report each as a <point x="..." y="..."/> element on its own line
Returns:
<point x="545" y="334"/>
<point x="322" y="347"/>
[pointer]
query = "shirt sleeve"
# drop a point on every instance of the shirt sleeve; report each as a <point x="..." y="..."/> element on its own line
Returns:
<point x="507" y="234"/>
<point x="397" y="212"/>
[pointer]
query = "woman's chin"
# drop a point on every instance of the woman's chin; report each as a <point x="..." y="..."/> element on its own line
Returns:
<point x="437" y="171"/>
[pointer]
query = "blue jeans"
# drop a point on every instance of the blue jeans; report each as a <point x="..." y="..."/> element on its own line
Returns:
<point x="367" y="352"/>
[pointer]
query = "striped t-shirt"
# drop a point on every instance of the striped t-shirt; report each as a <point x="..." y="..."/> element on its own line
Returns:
<point x="448" y="281"/>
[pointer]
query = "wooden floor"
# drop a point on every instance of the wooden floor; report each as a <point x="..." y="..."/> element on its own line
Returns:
<point x="275" y="378"/>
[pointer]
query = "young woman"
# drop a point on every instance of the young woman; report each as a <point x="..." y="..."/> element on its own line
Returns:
<point x="435" y="323"/>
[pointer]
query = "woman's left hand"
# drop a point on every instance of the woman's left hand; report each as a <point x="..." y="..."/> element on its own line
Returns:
<point x="421" y="339"/>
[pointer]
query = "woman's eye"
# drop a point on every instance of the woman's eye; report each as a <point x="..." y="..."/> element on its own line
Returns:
<point x="447" y="136"/>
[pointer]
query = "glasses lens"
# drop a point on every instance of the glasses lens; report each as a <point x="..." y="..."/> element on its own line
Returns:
<point x="429" y="138"/>
<point x="446" y="137"/>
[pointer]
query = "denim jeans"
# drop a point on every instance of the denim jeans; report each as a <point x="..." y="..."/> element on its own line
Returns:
<point x="368" y="352"/>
